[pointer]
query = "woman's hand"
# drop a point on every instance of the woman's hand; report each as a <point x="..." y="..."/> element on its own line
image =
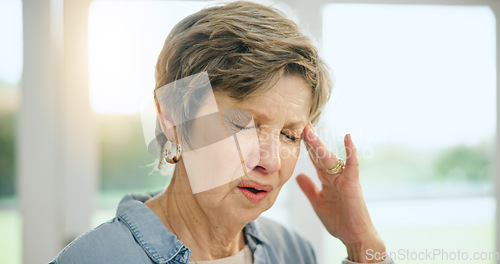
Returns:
<point x="340" y="204"/>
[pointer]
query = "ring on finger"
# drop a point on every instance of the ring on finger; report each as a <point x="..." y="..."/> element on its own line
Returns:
<point x="340" y="166"/>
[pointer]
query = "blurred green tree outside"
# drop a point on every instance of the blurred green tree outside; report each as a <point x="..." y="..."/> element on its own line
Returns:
<point x="7" y="154"/>
<point x="466" y="163"/>
<point x="8" y="106"/>
<point x="125" y="162"/>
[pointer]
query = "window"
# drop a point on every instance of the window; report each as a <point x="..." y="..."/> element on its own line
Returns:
<point x="11" y="60"/>
<point x="418" y="93"/>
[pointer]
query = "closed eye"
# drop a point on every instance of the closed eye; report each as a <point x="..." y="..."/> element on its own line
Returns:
<point x="242" y="127"/>
<point x="291" y="138"/>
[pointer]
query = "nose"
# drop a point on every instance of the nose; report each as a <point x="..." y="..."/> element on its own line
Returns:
<point x="270" y="160"/>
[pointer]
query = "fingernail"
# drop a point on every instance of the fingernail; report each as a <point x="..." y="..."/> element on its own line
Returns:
<point x="309" y="135"/>
<point x="314" y="131"/>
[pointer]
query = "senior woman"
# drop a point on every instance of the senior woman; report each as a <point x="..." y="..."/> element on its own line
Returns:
<point x="238" y="87"/>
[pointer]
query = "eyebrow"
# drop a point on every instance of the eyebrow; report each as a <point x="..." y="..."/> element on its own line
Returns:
<point x="299" y="123"/>
<point x="294" y="123"/>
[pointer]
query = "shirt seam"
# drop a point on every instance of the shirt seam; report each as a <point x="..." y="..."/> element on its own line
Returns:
<point x="151" y="252"/>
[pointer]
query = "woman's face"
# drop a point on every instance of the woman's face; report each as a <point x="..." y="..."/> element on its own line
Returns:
<point x="240" y="176"/>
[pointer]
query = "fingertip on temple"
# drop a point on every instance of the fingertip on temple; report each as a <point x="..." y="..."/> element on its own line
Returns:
<point x="348" y="138"/>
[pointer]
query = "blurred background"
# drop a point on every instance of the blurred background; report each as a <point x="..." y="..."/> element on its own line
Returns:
<point x="416" y="86"/>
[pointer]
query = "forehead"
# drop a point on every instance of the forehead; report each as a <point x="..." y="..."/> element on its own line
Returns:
<point x="287" y="102"/>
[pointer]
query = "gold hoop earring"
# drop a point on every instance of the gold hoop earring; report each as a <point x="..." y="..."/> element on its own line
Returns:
<point x="167" y="152"/>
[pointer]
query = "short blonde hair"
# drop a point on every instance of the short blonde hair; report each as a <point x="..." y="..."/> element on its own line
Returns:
<point x="245" y="48"/>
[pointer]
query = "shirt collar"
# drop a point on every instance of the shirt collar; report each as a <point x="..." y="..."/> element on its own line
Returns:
<point x="157" y="241"/>
<point x="254" y="234"/>
<point x="161" y="245"/>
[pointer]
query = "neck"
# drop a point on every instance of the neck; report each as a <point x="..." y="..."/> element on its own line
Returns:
<point x="208" y="236"/>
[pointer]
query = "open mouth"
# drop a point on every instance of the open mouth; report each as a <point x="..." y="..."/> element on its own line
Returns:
<point x="252" y="189"/>
<point x="254" y="186"/>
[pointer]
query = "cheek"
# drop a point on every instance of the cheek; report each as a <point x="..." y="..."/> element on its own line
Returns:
<point x="213" y="198"/>
<point x="289" y="153"/>
<point x="213" y="166"/>
<point x="289" y="156"/>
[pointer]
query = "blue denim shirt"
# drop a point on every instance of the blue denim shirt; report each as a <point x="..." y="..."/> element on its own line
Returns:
<point x="137" y="235"/>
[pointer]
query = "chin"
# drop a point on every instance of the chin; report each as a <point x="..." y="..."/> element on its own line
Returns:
<point x="248" y="214"/>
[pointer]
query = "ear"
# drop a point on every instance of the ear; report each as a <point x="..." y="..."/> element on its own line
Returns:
<point x="166" y="122"/>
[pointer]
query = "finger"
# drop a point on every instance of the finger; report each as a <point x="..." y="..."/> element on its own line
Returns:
<point x="319" y="153"/>
<point x="351" y="152"/>
<point x="308" y="187"/>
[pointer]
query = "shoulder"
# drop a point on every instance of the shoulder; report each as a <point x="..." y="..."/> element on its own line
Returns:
<point x="286" y="243"/>
<point x="111" y="242"/>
